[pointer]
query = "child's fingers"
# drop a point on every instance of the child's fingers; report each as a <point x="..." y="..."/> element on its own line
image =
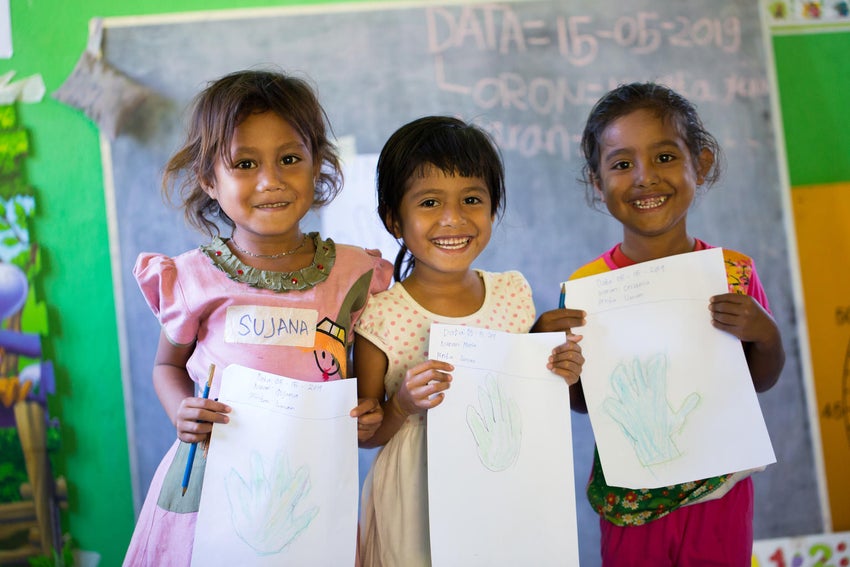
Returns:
<point x="568" y="369"/>
<point x="567" y="359"/>
<point x="214" y="406"/>
<point x="196" y="416"/>
<point x="428" y="366"/>
<point x="740" y="315"/>
<point x="421" y="384"/>
<point x="370" y="419"/>
<point x="425" y="390"/>
<point x="198" y="405"/>
<point x="559" y="320"/>
<point x="366" y="405"/>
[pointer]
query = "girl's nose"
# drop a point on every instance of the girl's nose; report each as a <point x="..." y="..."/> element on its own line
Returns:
<point x="646" y="175"/>
<point x="269" y="178"/>
<point x="452" y="215"/>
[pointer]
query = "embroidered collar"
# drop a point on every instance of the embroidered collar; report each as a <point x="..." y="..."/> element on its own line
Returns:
<point x="302" y="279"/>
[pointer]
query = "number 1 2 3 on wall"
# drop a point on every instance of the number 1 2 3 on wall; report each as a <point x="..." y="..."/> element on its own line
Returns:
<point x="820" y="550"/>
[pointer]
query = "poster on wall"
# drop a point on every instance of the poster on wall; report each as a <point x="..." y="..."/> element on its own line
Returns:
<point x="820" y="214"/>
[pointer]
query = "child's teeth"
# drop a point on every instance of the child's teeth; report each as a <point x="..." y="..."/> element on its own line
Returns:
<point x="650" y="203"/>
<point x="452" y="243"/>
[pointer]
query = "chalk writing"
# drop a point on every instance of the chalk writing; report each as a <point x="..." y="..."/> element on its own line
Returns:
<point x="498" y="28"/>
<point x="581" y="41"/>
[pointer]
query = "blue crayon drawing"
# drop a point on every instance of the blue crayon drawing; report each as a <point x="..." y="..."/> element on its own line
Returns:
<point x="642" y="410"/>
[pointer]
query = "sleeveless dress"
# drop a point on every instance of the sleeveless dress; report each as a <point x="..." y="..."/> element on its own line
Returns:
<point x="297" y="324"/>
<point x="394" y="504"/>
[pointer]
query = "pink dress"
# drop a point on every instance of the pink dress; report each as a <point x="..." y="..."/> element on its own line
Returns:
<point x="297" y="324"/>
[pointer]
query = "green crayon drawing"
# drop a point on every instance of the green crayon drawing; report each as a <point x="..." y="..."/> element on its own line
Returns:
<point x="263" y="504"/>
<point x="496" y="426"/>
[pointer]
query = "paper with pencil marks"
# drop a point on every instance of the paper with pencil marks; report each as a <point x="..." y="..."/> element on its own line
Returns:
<point x="500" y="458"/>
<point x="281" y="478"/>
<point x="670" y="397"/>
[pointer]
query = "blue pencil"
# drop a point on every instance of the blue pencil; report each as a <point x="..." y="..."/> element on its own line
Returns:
<point x="562" y="301"/>
<point x="191" y="459"/>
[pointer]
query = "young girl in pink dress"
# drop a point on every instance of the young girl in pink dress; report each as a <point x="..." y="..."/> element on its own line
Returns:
<point x="256" y="159"/>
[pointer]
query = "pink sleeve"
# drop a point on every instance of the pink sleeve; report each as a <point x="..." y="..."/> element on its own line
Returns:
<point x="755" y="289"/>
<point x="158" y="280"/>
<point x="382" y="273"/>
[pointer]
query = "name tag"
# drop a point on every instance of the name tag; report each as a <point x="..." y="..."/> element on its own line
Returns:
<point x="260" y="325"/>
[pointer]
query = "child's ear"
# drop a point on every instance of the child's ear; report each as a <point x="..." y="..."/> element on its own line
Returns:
<point x="208" y="187"/>
<point x="392" y="225"/>
<point x="706" y="161"/>
<point x="210" y="191"/>
<point x="597" y="187"/>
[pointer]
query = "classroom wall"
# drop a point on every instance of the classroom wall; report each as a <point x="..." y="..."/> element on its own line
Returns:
<point x="65" y="169"/>
<point x="813" y="75"/>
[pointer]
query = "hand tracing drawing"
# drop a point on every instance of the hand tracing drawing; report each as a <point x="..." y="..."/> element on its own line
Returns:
<point x="263" y="502"/>
<point x="642" y="411"/>
<point x="497" y="427"/>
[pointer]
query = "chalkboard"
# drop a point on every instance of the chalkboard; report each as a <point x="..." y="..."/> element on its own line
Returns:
<point x="529" y="73"/>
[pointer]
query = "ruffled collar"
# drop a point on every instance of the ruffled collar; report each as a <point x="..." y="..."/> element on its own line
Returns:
<point x="305" y="278"/>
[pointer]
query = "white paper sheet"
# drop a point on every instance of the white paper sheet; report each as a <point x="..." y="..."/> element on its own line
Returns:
<point x="5" y="30"/>
<point x="280" y="486"/>
<point x="670" y="397"/>
<point x="352" y="215"/>
<point x="500" y="461"/>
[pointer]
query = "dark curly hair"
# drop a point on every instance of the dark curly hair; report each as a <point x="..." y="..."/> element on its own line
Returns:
<point x="217" y="111"/>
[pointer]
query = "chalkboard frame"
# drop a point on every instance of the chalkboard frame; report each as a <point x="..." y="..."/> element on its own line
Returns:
<point x="548" y="230"/>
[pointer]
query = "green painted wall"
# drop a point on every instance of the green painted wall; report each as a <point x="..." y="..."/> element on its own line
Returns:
<point x="813" y="73"/>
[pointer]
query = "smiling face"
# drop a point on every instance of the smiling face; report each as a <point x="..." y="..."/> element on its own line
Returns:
<point x="265" y="183"/>
<point x="647" y="179"/>
<point x="445" y="221"/>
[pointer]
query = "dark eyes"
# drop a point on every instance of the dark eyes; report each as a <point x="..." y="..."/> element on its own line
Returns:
<point x="251" y="164"/>
<point x="429" y="203"/>
<point x="623" y="165"/>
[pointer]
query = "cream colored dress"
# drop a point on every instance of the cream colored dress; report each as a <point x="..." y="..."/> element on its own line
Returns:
<point x="394" y="511"/>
